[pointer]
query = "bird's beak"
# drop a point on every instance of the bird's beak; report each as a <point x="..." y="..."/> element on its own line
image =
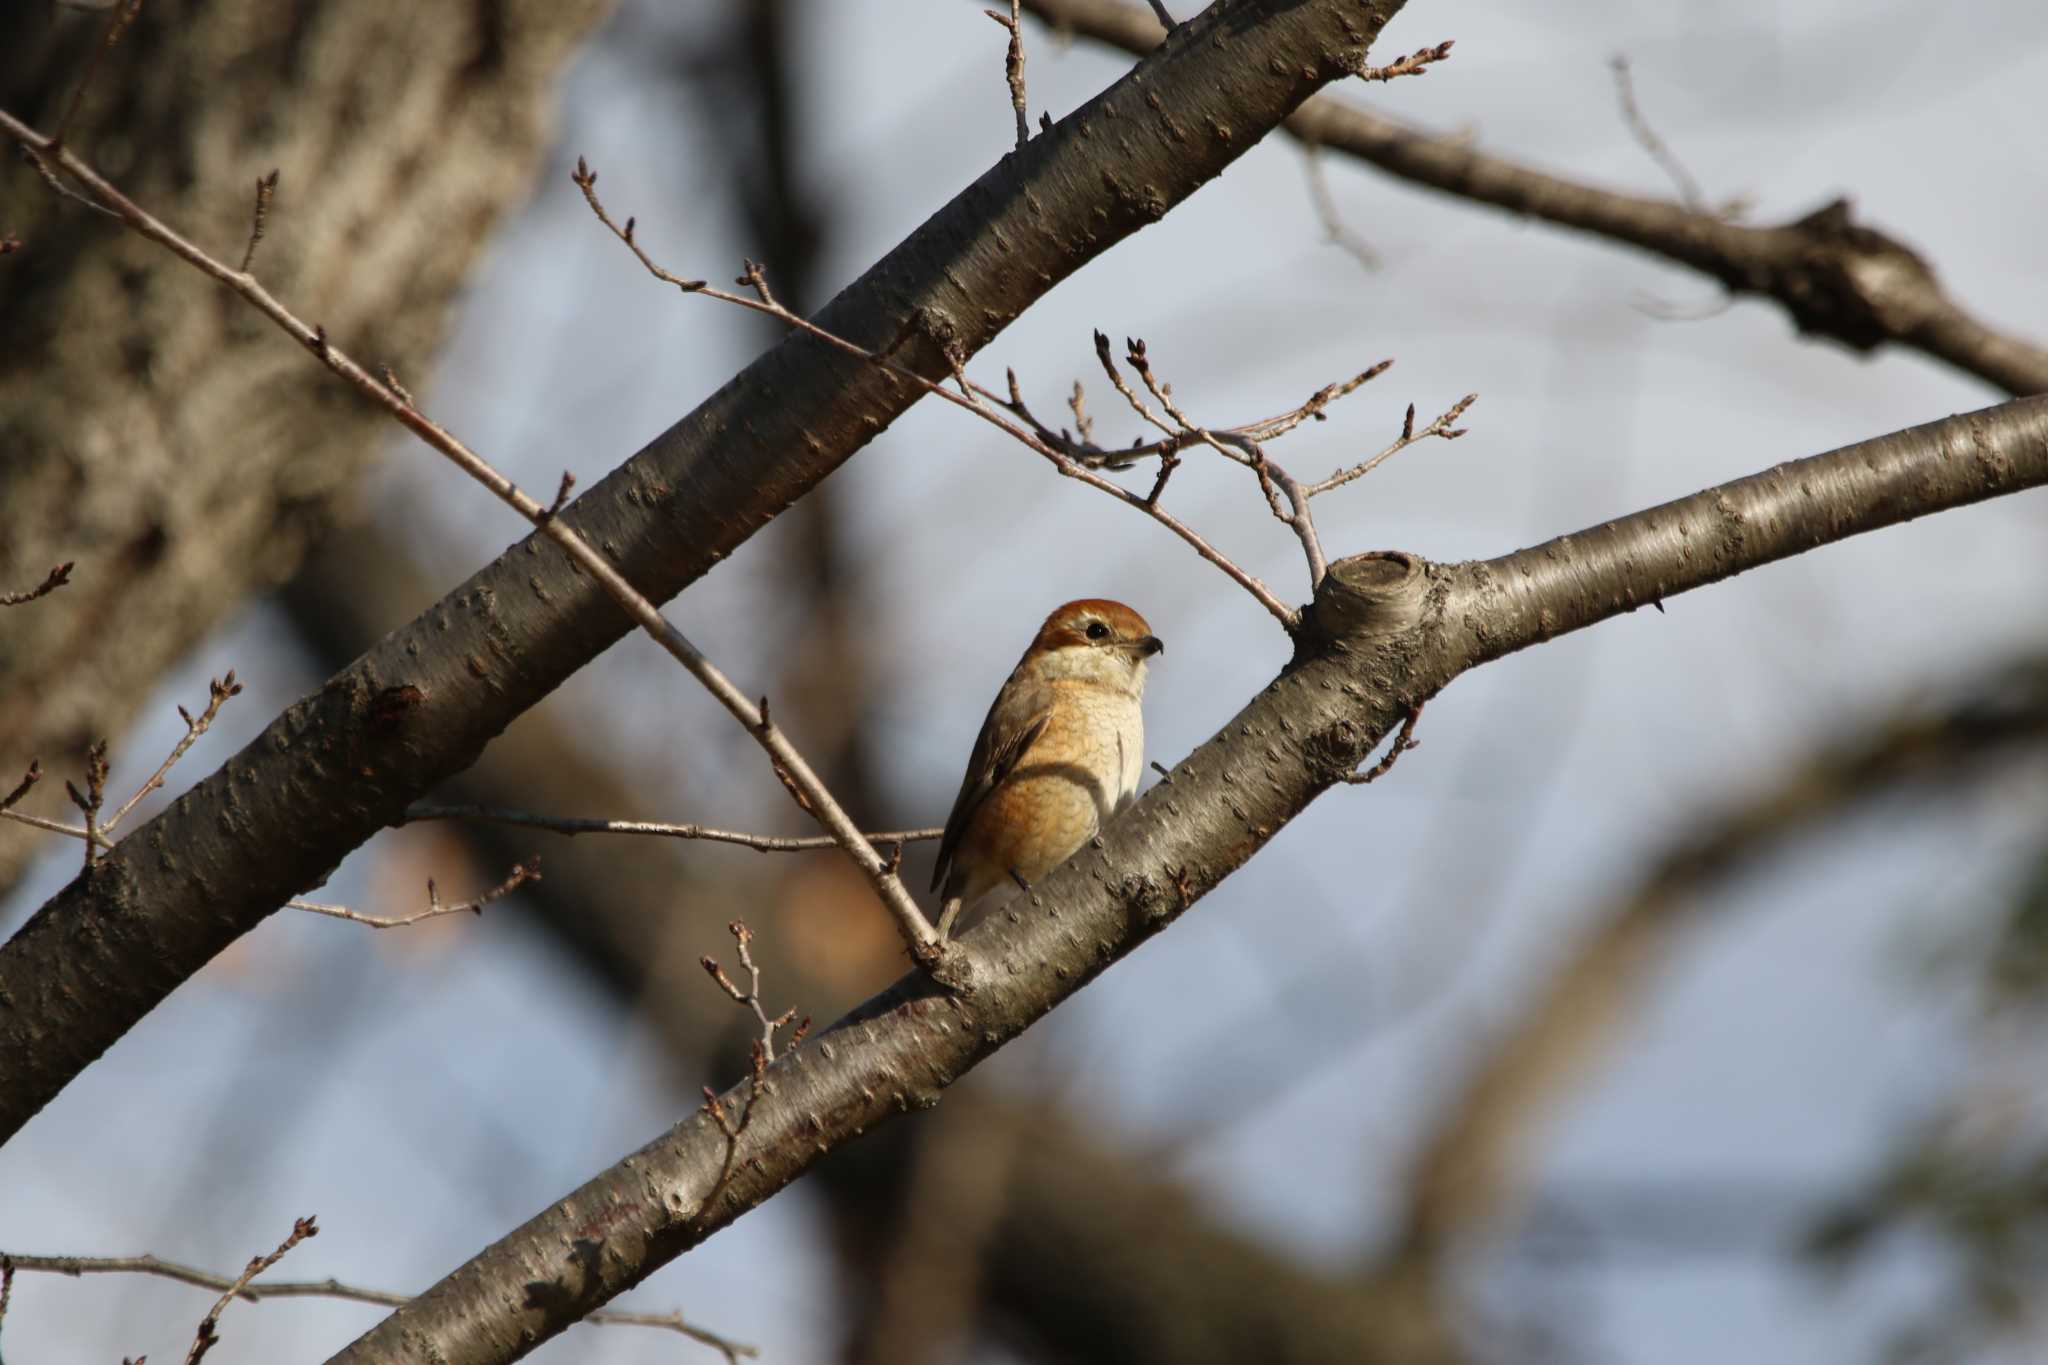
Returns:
<point x="1146" y="646"/>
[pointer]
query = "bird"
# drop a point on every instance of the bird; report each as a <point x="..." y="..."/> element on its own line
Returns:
<point x="1059" y="754"/>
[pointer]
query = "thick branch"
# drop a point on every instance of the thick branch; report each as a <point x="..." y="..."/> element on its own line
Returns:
<point x="1836" y="278"/>
<point x="1387" y="632"/>
<point x="346" y="761"/>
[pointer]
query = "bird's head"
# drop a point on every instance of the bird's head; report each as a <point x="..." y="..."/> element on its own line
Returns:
<point x="1094" y="640"/>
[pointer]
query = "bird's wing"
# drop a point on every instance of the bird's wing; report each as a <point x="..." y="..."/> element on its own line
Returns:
<point x="1014" y="723"/>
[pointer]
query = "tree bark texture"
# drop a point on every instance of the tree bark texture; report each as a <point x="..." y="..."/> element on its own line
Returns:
<point x="1833" y="276"/>
<point x="345" y="762"/>
<point x="152" y="428"/>
<point x="1387" y="632"/>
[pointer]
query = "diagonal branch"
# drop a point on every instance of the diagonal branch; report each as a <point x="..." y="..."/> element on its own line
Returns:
<point x="1387" y="632"/>
<point x="1837" y="278"/>
<point x="803" y="784"/>
<point x="345" y="762"/>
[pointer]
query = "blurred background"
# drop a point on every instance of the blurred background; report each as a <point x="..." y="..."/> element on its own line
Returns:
<point x="1681" y="999"/>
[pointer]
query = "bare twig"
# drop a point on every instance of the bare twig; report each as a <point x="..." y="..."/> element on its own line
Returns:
<point x="1443" y="426"/>
<point x="917" y="933"/>
<point x="259" y="218"/>
<point x="55" y="579"/>
<point x="1835" y="276"/>
<point x="116" y="26"/>
<point x="91" y="799"/>
<point x="751" y="997"/>
<point x="391" y="382"/>
<point x="763" y="1055"/>
<point x="95" y="832"/>
<point x="763" y="843"/>
<point x="1335" y="231"/>
<point x="562" y="491"/>
<point x="1245" y="445"/>
<point x="76" y="1266"/>
<point x="23" y="787"/>
<point x="218" y="692"/>
<point x="58" y="187"/>
<point x="979" y="401"/>
<point x="1415" y="64"/>
<point x="522" y="873"/>
<point x="1403" y="742"/>
<point x="57" y="827"/>
<point x="1077" y="403"/>
<point x="1013" y="66"/>
<point x="1625" y="92"/>
<point x="207" y="1337"/>
<point x="1166" y="20"/>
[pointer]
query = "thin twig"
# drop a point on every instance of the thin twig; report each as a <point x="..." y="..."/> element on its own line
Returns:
<point x="1443" y="427"/>
<point x="23" y="787"/>
<point x="977" y="402"/>
<point x="56" y="827"/>
<point x="1166" y="20"/>
<point x="1689" y="193"/>
<point x="55" y="579"/>
<point x="562" y="491"/>
<point x="910" y="921"/>
<point x="218" y="691"/>
<point x="207" y="1337"/>
<point x="522" y="873"/>
<point x="751" y="997"/>
<point x="91" y="799"/>
<point x="146" y="1264"/>
<point x="1335" y="231"/>
<point x="1274" y="482"/>
<point x="1403" y="742"/>
<point x="1013" y="66"/>
<point x="259" y="219"/>
<point x="763" y="1056"/>
<point x="116" y="26"/>
<point x="562" y="824"/>
<point x="1414" y="64"/>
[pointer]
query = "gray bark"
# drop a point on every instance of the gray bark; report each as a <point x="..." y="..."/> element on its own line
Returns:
<point x="153" y="429"/>
<point x="1386" y="632"/>
<point x="345" y="762"/>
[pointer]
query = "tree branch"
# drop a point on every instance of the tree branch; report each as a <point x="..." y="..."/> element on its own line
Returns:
<point x="569" y="824"/>
<point x="1387" y="632"/>
<point x="347" y="761"/>
<point x="238" y="1287"/>
<point x="1836" y="278"/>
<point x="790" y="766"/>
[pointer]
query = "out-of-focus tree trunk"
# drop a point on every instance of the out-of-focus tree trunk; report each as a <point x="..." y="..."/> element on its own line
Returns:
<point x="152" y="427"/>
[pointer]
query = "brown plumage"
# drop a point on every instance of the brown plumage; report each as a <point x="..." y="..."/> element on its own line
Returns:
<point x="1060" y="752"/>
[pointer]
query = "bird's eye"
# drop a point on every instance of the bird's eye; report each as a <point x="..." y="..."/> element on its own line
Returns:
<point x="1096" y="630"/>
